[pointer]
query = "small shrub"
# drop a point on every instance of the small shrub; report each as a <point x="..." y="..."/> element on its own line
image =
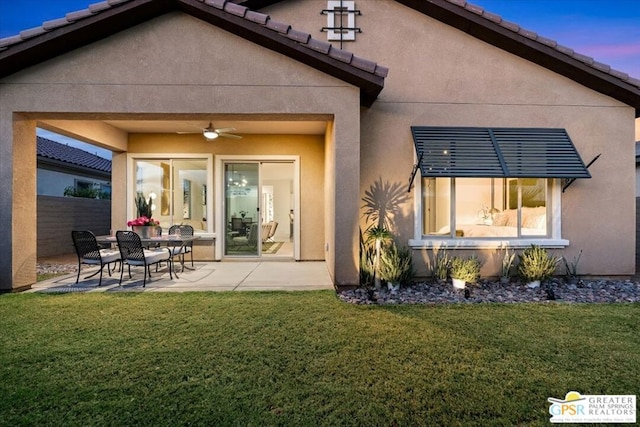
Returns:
<point x="536" y="264"/>
<point x="467" y="269"/>
<point x="396" y="265"/>
<point x="440" y="264"/>
<point x="87" y="193"/>
<point x="571" y="268"/>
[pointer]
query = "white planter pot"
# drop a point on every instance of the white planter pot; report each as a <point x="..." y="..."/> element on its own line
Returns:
<point x="458" y="283"/>
<point x="533" y="284"/>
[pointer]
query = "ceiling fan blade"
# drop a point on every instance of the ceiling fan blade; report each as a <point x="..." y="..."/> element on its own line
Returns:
<point x="187" y="133"/>
<point x="225" y="130"/>
<point x="229" y="135"/>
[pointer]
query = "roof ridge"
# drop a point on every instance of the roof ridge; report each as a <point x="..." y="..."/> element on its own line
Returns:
<point x="532" y="35"/>
<point x="264" y="20"/>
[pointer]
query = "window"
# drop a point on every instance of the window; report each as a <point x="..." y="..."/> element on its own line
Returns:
<point x="481" y="208"/>
<point x="341" y="20"/>
<point x="177" y="187"/>
<point x="483" y="184"/>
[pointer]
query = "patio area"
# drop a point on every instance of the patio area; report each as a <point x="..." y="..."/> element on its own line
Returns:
<point x="206" y="276"/>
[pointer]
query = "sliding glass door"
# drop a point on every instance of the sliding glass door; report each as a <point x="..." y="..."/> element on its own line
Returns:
<point x="242" y="208"/>
<point x="259" y="207"/>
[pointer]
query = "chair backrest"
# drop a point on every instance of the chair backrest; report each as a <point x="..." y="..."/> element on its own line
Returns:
<point x="182" y="230"/>
<point x="264" y="233"/>
<point x="130" y="245"/>
<point x="236" y="224"/>
<point x="252" y="238"/>
<point x="86" y="244"/>
<point x="272" y="231"/>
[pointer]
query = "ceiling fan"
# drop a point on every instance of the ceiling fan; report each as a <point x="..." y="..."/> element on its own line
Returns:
<point x="210" y="133"/>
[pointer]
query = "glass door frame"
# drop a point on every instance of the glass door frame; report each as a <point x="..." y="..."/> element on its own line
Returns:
<point x="220" y="225"/>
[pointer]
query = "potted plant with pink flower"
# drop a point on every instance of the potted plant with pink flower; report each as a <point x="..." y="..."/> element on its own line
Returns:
<point x="144" y="224"/>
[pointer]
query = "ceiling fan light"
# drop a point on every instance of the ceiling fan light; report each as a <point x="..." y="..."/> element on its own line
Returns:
<point x="210" y="134"/>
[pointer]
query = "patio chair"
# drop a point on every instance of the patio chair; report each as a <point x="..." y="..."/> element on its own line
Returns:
<point x="133" y="253"/>
<point x="183" y="230"/>
<point x="89" y="252"/>
<point x="272" y="230"/>
<point x="264" y="233"/>
<point x="268" y="230"/>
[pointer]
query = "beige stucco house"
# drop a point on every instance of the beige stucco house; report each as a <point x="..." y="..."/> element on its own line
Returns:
<point x="327" y="125"/>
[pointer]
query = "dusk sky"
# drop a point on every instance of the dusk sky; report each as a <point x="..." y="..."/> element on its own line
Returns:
<point x="607" y="30"/>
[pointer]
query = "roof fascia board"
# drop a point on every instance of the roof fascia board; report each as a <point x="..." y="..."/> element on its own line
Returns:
<point x="80" y="33"/>
<point x="256" y="4"/>
<point x="370" y="84"/>
<point x="531" y="50"/>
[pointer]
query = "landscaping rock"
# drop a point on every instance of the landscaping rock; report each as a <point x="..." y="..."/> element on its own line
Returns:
<point x="556" y="290"/>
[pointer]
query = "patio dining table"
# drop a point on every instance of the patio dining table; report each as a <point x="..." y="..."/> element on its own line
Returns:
<point x="171" y="241"/>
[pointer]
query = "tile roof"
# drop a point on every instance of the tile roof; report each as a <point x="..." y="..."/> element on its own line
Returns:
<point x="531" y="35"/>
<point x="510" y="37"/>
<point x="360" y="67"/>
<point x="56" y="151"/>
<point x="461" y="14"/>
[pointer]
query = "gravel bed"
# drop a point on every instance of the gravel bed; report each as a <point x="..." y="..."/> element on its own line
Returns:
<point x="595" y="291"/>
<point x="55" y="268"/>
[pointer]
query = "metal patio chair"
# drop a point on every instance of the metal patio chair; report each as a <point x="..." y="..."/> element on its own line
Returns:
<point x="90" y="253"/>
<point x="183" y="231"/>
<point x="134" y="254"/>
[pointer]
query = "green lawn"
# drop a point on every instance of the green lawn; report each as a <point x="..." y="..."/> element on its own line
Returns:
<point x="302" y="359"/>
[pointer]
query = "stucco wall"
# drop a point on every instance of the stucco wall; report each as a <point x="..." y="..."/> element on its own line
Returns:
<point x="440" y="76"/>
<point x="174" y="66"/>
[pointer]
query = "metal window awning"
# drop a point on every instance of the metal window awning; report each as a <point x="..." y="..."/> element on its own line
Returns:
<point x="497" y="152"/>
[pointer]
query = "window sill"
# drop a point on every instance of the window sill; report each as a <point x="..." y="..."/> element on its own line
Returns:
<point x="486" y="243"/>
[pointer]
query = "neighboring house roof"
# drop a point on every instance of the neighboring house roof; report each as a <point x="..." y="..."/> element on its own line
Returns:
<point x="103" y="19"/>
<point x="74" y="158"/>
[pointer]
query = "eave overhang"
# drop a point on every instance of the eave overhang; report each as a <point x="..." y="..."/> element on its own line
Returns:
<point x="546" y="53"/>
<point x="111" y="17"/>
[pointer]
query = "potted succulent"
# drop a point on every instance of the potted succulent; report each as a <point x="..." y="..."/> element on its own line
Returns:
<point x="536" y="265"/>
<point x="464" y="270"/>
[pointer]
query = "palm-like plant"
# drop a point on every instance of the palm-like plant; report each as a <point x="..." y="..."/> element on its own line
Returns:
<point x="379" y="236"/>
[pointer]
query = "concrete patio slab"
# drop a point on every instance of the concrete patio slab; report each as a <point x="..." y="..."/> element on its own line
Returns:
<point x="205" y="276"/>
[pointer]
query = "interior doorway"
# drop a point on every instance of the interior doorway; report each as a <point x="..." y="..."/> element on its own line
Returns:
<point x="259" y="200"/>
